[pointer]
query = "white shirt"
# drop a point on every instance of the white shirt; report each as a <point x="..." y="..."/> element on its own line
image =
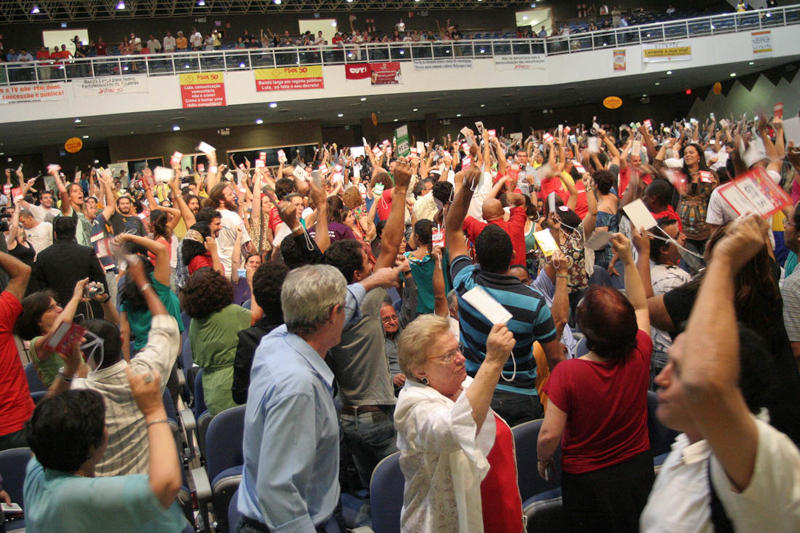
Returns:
<point x="442" y="460"/>
<point x="169" y="44"/>
<point x="154" y="45"/>
<point x="227" y="236"/>
<point x="196" y="39"/>
<point x="40" y="236"/>
<point x="680" y="497"/>
<point x="44" y="214"/>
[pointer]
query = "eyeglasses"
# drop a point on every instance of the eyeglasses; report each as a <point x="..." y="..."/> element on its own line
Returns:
<point x="448" y="357"/>
<point x="390" y="318"/>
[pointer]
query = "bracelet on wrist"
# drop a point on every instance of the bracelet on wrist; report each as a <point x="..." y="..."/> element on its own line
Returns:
<point x="563" y="276"/>
<point x="145" y="287"/>
<point x="64" y="376"/>
<point x="158" y="421"/>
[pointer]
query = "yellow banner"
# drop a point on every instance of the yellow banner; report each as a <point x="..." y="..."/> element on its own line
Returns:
<point x="288" y="73"/>
<point x="202" y="78"/>
<point x="667" y="52"/>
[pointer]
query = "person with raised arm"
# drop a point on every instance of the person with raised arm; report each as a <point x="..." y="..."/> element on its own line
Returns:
<point x="730" y="470"/>
<point x="516" y="398"/>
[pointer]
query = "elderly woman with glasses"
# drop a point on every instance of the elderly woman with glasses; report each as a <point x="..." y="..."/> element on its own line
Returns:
<point x="456" y="454"/>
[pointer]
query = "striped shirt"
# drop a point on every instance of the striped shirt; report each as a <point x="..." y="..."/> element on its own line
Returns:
<point x="128" y="451"/>
<point x="531" y="321"/>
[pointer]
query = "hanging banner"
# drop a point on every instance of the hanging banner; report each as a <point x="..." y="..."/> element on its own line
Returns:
<point x="42" y="92"/>
<point x="620" y="64"/>
<point x="356" y="71"/>
<point x="436" y="64"/>
<point x="385" y="73"/>
<point x="289" y="78"/>
<point x="522" y="62"/>
<point x="667" y="51"/>
<point x="762" y="43"/>
<point x="203" y="89"/>
<point x="111" y="85"/>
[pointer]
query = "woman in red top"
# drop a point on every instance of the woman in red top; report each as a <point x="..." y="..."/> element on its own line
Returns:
<point x="597" y="408"/>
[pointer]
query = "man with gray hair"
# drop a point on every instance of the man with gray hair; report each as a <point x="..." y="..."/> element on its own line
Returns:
<point x="291" y="437"/>
<point x="39" y="234"/>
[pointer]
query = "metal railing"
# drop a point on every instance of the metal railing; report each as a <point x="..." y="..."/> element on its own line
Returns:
<point x="256" y="58"/>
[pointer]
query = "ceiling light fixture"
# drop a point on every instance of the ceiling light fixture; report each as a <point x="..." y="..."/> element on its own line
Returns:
<point x="121" y="5"/>
<point x="363" y="98"/>
<point x="669" y="73"/>
<point x="85" y="136"/>
<point x="35" y="10"/>
<point x="415" y="109"/>
<point x="458" y="115"/>
<point x="340" y="115"/>
<point x="733" y="74"/>
<point x="201" y="3"/>
<point x="259" y="121"/>
<point x="277" y="2"/>
<point x="273" y="105"/>
<point x="176" y="128"/>
<point x="77" y="121"/>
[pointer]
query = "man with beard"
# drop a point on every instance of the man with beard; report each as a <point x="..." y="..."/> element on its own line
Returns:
<point x="222" y="199"/>
<point x="125" y="219"/>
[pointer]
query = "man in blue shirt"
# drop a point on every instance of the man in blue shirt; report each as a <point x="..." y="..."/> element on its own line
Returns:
<point x="291" y="437"/>
<point x="515" y="398"/>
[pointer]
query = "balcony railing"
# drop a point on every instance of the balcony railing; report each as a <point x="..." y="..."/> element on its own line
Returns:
<point x="256" y="58"/>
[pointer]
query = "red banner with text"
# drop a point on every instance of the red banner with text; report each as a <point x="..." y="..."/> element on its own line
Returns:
<point x="385" y="73"/>
<point x="356" y="71"/>
<point x="203" y="89"/>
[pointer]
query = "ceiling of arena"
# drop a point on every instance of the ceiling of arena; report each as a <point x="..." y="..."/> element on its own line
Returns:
<point x="26" y="11"/>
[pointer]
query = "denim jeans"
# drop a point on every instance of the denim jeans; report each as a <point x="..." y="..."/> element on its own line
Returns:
<point x="369" y="437"/>
<point x="516" y="408"/>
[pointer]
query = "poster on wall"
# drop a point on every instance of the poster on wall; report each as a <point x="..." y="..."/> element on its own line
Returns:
<point x="385" y="73"/>
<point x="356" y="71"/>
<point x="666" y="51"/>
<point x="202" y="89"/>
<point x="289" y="78"/>
<point x="111" y="85"/>
<point x="520" y="62"/>
<point x="620" y="64"/>
<point x="42" y="92"/>
<point x="762" y="43"/>
<point x="446" y="63"/>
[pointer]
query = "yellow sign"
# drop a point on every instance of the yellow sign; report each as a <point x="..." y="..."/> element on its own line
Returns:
<point x="202" y="78"/>
<point x="667" y="51"/>
<point x="612" y="102"/>
<point x="73" y="145"/>
<point x="288" y="78"/>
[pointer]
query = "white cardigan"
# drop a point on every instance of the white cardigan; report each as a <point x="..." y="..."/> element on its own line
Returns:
<point x="442" y="460"/>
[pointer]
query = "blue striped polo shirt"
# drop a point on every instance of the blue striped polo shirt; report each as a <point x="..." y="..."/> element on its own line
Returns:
<point x="530" y="321"/>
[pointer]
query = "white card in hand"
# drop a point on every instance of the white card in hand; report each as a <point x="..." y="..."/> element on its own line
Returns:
<point x="598" y="240"/>
<point x="639" y="215"/>
<point x="483" y="302"/>
<point x="546" y="242"/>
<point x="357" y="151"/>
<point x="163" y="175"/>
<point x="551" y="202"/>
<point x="205" y="147"/>
<point x="593" y="145"/>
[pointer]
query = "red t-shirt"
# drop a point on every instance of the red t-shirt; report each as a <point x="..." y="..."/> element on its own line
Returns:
<point x="553" y="184"/>
<point x="201" y="261"/>
<point x="274" y="218"/>
<point x="515" y="227"/>
<point x="16" y="405"/>
<point x="581" y="206"/>
<point x="606" y="406"/>
<point x="625" y="178"/>
<point x="670" y="213"/>
<point x="502" y="506"/>
<point x="384" y="204"/>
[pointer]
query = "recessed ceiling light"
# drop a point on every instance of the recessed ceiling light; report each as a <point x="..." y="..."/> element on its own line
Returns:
<point x="669" y="72"/>
<point x="644" y="96"/>
<point x="751" y="63"/>
<point x="340" y="115"/>
<point x="277" y="2"/>
<point x="395" y="120"/>
<point x="259" y="121"/>
<point x="733" y="74"/>
<point x="35" y="10"/>
<point x="363" y="98"/>
<point x="658" y="83"/>
<point x="415" y="110"/>
<point x="458" y="115"/>
<point x="176" y="128"/>
<point x="85" y="136"/>
<point x="273" y="105"/>
<point x="483" y="105"/>
<point x="77" y="121"/>
<point x="121" y="5"/>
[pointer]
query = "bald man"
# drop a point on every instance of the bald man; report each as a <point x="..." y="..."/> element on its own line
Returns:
<point x="493" y="213"/>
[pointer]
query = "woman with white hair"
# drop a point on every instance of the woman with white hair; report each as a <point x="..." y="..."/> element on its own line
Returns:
<point x="456" y="454"/>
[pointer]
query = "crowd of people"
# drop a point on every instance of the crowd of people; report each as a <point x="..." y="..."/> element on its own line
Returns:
<point x="442" y="295"/>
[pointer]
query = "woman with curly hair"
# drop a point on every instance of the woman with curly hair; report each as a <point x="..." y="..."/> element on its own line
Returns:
<point x="213" y="333"/>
